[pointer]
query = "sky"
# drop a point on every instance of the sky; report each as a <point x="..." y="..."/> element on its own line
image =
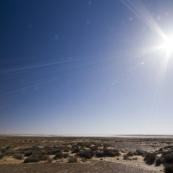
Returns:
<point x="86" y="67"/>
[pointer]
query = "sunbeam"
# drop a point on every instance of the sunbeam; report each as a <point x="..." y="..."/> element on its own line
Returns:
<point x="139" y="9"/>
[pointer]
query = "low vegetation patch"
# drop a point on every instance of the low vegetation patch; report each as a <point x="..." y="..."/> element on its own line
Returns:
<point x="28" y="153"/>
<point x="129" y="154"/>
<point x="168" y="168"/>
<point x="72" y="159"/>
<point x="150" y="158"/>
<point x="107" y="153"/>
<point x="31" y="159"/>
<point x="88" y="154"/>
<point x="1" y="156"/>
<point x="43" y="157"/>
<point x="18" y="156"/>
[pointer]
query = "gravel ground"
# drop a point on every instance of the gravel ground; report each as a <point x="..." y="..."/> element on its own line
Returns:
<point x="94" y="167"/>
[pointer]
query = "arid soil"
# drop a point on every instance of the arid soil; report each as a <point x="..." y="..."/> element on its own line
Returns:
<point x="95" y="167"/>
<point x="72" y="154"/>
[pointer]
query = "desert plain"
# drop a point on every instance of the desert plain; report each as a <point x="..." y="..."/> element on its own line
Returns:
<point x="40" y="154"/>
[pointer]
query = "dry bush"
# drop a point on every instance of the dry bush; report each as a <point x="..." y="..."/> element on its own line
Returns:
<point x="72" y="159"/>
<point x="129" y="154"/>
<point x="100" y="154"/>
<point x="139" y="152"/>
<point x="111" y="153"/>
<point x="107" y="153"/>
<point x="18" y="156"/>
<point x="158" y="162"/>
<point x="168" y="168"/>
<point x="43" y="157"/>
<point x="167" y="157"/>
<point x="94" y="148"/>
<point x="1" y="156"/>
<point x="66" y="150"/>
<point x="150" y="158"/>
<point x="35" y="148"/>
<point x="28" y="153"/>
<point x="83" y="159"/>
<point x="3" y="150"/>
<point x="76" y="150"/>
<point x="53" y="151"/>
<point x="88" y="154"/>
<point x="50" y="160"/>
<point x="66" y="155"/>
<point x="58" y="155"/>
<point x="31" y="159"/>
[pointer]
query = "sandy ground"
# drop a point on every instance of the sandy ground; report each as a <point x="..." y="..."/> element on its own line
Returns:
<point x="94" y="167"/>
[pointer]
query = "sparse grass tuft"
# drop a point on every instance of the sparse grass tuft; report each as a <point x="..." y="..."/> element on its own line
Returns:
<point x="50" y="160"/>
<point x="72" y="159"/>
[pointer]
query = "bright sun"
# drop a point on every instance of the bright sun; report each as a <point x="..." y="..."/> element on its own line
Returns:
<point x="168" y="44"/>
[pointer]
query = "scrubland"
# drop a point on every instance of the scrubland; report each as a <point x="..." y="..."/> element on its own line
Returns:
<point x="85" y="154"/>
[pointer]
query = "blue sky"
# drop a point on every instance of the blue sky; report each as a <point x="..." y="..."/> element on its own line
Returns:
<point x="80" y="67"/>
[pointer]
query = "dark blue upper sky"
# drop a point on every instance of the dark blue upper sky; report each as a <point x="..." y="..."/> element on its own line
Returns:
<point x="86" y="67"/>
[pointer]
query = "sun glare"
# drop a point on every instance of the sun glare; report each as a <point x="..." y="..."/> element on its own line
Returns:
<point x="168" y="44"/>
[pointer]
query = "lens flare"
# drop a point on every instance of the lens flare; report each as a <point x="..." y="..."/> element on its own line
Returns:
<point x="168" y="44"/>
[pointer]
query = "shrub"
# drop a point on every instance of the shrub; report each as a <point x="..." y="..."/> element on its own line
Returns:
<point x="167" y="157"/>
<point x="18" y="156"/>
<point x="66" y="155"/>
<point x="28" y="153"/>
<point x="53" y="152"/>
<point x="107" y="153"/>
<point x="43" y="157"/>
<point x="86" y="154"/>
<point x="168" y="168"/>
<point x="76" y="150"/>
<point x="72" y="159"/>
<point x="100" y="154"/>
<point x="8" y="147"/>
<point x="126" y="156"/>
<point x="58" y="155"/>
<point x="94" y="148"/>
<point x="150" y="158"/>
<point x="50" y="160"/>
<point x="31" y="159"/>
<point x="66" y="150"/>
<point x="9" y="153"/>
<point x="3" y="150"/>
<point x="1" y="156"/>
<point x="158" y="162"/>
<point x="47" y="148"/>
<point x="111" y="153"/>
<point x="35" y="148"/>
<point x="83" y="159"/>
<point x="139" y="153"/>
